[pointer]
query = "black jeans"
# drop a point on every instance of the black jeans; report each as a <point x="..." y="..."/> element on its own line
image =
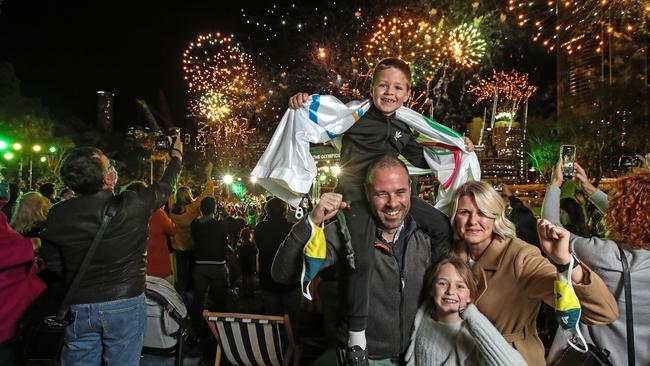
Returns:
<point x="211" y="289"/>
<point x="184" y="266"/>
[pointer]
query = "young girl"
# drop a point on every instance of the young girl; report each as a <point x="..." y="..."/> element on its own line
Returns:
<point x="449" y="329"/>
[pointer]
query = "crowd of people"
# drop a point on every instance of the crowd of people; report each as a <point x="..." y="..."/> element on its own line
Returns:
<point x="160" y="230"/>
<point x="405" y="283"/>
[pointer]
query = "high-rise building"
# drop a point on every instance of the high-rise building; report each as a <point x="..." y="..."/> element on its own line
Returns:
<point x="502" y="153"/>
<point x="580" y="75"/>
<point x="508" y="141"/>
<point x="105" y="110"/>
<point x="603" y="60"/>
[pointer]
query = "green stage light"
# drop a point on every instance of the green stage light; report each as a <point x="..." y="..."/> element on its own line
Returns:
<point x="8" y="156"/>
<point x="3" y="145"/>
<point x="238" y="189"/>
<point x="52" y="149"/>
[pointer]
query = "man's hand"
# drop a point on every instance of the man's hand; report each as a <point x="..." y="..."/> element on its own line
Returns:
<point x="330" y="203"/>
<point x="580" y="176"/>
<point x="469" y="145"/>
<point x="298" y="100"/>
<point x="554" y="240"/>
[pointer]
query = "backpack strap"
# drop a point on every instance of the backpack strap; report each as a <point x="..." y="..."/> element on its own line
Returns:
<point x="109" y="213"/>
<point x="629" y="316"/>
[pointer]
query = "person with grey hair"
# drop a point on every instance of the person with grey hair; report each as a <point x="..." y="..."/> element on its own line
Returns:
<point x="513" y="276"/>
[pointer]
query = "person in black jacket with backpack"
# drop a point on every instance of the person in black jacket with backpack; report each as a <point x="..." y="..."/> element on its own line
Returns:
<point x="109" y="305"/>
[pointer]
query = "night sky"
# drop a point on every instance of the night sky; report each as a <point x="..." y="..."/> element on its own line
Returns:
<point x="64" y="51"/>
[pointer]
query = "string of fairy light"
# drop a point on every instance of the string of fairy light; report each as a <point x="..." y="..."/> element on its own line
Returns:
<point x="571" y="25"/>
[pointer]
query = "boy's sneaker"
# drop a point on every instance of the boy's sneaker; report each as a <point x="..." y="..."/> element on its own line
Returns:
<point x="356" y="356"/>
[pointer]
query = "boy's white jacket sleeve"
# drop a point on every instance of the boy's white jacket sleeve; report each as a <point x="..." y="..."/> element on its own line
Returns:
<point x="287" y="168"/>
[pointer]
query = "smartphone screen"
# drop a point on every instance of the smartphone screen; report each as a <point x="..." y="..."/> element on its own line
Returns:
<point x="568" y="155"/>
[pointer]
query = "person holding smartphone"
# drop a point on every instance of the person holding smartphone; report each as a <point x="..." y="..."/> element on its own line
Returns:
<point x="627" y="214"/>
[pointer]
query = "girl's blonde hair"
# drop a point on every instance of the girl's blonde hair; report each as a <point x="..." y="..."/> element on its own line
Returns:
<point x="30" y="212"/>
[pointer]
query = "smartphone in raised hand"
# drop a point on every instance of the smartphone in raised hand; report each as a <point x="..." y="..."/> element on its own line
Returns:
<point x="568" y="156"/>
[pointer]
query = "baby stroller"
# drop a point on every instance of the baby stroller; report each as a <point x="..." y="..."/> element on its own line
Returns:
<point x="166" y="329"/>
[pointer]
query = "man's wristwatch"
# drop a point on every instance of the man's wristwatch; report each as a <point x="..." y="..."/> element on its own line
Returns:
<point x="565" y="267"/>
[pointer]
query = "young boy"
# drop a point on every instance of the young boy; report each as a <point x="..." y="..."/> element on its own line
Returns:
<point x="377" y="133"/>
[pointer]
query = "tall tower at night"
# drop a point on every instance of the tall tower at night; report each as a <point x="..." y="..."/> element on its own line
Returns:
<point x="603" y="60"/>
<point x="580" y="75"/>
<point x="105" y="110"/>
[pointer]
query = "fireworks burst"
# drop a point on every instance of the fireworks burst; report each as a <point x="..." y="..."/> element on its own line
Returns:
<point x="212" y="105"/>
<point x="572" y="24"/>
<point x="465" y="45"/>
<point x="418" y="101"/>
<point x="415" y="42"/>
<point x="219" y="76"/>
<point x="510" y="87"/>
<point x="223" y="89"/>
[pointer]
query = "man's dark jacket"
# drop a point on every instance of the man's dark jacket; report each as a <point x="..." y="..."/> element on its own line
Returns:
<point x="117" y="270"/>
<point x="268" y="236"/>
<point x="392" y="306"/>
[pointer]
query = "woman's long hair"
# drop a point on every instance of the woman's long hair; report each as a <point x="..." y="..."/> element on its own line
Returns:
<point x="627" y="219"/>
<point x="30" y="212"/>
<point x="183" y="197"/>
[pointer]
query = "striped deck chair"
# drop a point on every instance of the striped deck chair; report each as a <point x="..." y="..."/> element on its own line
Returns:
<point x="251" y="339"/>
